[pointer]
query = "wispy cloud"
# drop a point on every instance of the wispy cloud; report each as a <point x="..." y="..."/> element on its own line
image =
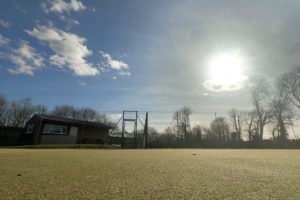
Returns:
<point x="4" y="40"/>
<point x="70" y="49"/>
<point x="26" y="59"/>
<point x="118" y="65"/>
<point x="69" y="22"/>
<point x="123" y="73"/>
<point x="60" y="6"/>
<point x="82" y="83"/>
<point x="115" y="117"/>
<point x="114" y="64"/>
<point x="4" y="23"/>
<point x="217" y="87"/>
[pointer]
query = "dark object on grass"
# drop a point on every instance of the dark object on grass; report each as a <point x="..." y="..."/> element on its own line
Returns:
<point x="19" y="174"/>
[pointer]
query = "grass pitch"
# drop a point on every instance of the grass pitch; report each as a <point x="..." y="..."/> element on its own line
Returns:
<point x="149" y="174"/>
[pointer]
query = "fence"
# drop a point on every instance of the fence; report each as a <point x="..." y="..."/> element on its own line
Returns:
<point x="11" y="136"/>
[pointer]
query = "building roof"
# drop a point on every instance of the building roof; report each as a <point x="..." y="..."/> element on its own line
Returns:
<point x="71" y="121"/>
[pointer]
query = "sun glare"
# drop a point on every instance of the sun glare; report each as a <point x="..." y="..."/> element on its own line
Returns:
<point x="227" y="69"/>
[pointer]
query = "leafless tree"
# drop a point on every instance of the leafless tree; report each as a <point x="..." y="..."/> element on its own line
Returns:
<point x="281" y="111"/>
<point x="208" y="134"/>
<point x="102" y="118"/>
<point x="182" y="118"/>
<point x="237" y="120"/>
<point x="260" y="101"/>
<point x="168" y="138"/>
<point x="152" y="134"/>
<point x="19" y="112"/>
<point x="176" y="117"/>
<point x="291" y="86"/>
<point x="3" y="104"/>
<point x="220" y="128"/>
<point x="41" y="109"/>
<point x="251" y="124"/>
<point x="86" y="114"/>
<point x="197" y="132"/>
<point x="65" y="111"/>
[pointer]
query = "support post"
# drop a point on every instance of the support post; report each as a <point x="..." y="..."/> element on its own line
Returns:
<point x="146" y="132"/>
<point x="135" y="130"/>
<point x="123" y="132"/>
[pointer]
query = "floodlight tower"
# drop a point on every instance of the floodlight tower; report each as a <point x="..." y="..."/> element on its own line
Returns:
<point x="133" y="116"/>
<point x="129" y="116"/>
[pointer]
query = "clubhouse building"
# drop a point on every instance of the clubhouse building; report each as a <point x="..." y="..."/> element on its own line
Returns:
<point x="47" y="129"/>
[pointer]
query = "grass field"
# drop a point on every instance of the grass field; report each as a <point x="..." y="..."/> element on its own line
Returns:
<point x="149" y="174"/>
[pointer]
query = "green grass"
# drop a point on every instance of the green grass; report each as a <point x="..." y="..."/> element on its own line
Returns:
<point x="149" y="174"/>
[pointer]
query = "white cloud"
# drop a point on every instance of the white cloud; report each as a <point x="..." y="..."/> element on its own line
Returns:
<point x="58" y="60"/>
<point x="82" y="83"/>
<point x="60" y="6"/>
<point x="217" y="87"/>
<point x="114" y="77"/>
<point x="195" y="123"/>
<point x="26" y="60"/>
<point x="123" y="73"/>
<point x="4" y="23"/>
<point x="115" y="117"/>
<point x="76" y="22"/>
<point x="69" y="22"/>
<point x="4" y="40"/>
<point x="62" y="18"/>
<point x="114" y="64"/>
<point x="70" y="49"/>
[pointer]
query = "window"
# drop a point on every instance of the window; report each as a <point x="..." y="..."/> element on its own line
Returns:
<point x="30" y="129"/>
<point x="73" y="130"/>
<point x="55" y="129"/>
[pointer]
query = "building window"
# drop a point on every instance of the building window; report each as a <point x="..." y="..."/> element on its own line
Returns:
<point x="73" y="131"/>
<point x="30" y="129"/>
<point x="55" y="129"/>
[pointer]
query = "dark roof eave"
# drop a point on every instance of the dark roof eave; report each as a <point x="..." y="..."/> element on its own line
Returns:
<point x="72" y="121"/>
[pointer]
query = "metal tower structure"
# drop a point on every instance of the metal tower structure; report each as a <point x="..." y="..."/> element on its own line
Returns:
<point x="133" y="116"/>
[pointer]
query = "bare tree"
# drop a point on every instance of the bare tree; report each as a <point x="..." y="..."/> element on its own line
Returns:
<point x="86" y="114"/>
<point x="182" y="118"/>
<point x="220" y="128"/>
<point x="19" y="112"/>
<point x="3" y="104"/>
<point x="291" y="86"/>
<point x="237" y="120"/>
<point x="168" y="138"/>
<point x="208" y="134"/>
<point x="41" y="109"/>
<point x="102" y="118"/>
<point x="197" y="132"/>
<point x="259" y="100"/>
<point x="152" y="134"/>
<point x="251" y="124"/>
<point x="65" y="111"/>
<point x="176" y="117"/>
<point x="281" y="111"/>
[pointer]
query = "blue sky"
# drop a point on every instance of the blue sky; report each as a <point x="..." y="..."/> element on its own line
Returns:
<point x="143" y="55"/>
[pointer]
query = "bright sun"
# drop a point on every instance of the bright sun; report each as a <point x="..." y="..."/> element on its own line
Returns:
<point x="226" y="69"/>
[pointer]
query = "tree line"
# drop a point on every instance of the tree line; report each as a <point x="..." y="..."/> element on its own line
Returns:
<point x="17" y="113"/>
<point x="276" y="105"/>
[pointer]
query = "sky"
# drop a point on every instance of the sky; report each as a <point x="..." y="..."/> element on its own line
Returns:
<point x="145" y="55"/>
